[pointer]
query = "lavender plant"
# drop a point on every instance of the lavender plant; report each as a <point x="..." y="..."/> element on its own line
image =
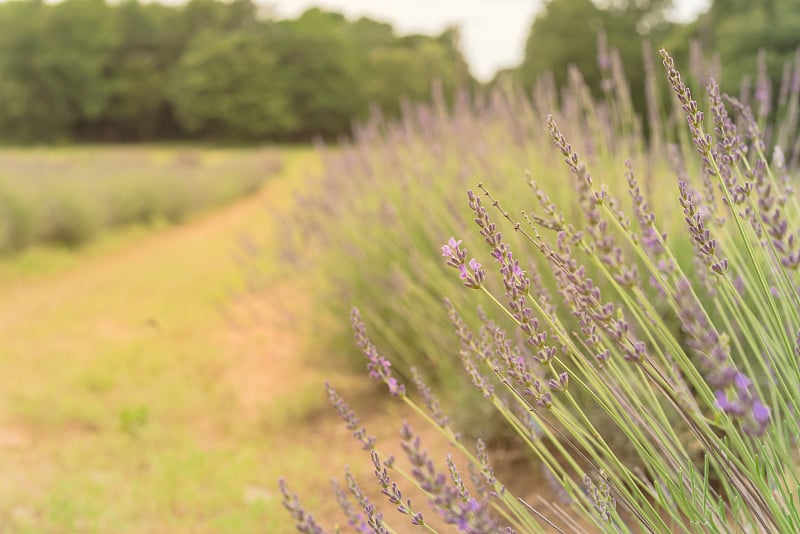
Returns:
<point x="710" y="409"/>
<point x="386" y="200"/>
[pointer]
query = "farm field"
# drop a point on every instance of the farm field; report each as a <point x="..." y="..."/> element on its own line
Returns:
<point x="138" y="393"/>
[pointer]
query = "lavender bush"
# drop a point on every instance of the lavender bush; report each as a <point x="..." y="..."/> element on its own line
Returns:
<point x="710" y="408"/>
<point x="386" y="200"/>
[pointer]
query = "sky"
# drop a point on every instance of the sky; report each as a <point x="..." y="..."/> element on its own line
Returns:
<point x="493" y="32"/>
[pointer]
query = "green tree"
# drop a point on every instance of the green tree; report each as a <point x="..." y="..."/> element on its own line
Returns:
<point x="548" y="49"/>
<point x="137" y="105"/>
<point x="409" y="69"/>
<point x="51" y="66"/>
<point x="740" y="29"/>
<point x="566" y="33"/>
<point x="134" y="70"/>
<point x="322" y="64"/>
<point x="229" y="85"/>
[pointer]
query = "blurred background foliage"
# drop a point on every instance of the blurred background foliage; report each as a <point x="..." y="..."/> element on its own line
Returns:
<point x="95" y="71"/>
<point x="87" y="70"/>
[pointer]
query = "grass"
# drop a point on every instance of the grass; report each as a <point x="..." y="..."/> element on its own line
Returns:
<point x="136" y="397"/>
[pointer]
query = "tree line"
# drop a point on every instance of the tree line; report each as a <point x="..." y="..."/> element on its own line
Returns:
<point x="755" y="40"/>
<point x="91" y="70"/>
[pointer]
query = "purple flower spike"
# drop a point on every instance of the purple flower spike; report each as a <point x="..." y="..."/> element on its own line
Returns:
<point x="393" y="385"/>
<point x="742" y="382"/>
<point x="472" y="273"/>
<point x="722" y="400"/>
<point x="760" y="419"/>
<point x="377" y="365"/>
<point x="760" y="413"/>
<point x="449" y="250"/>
<point x="473" y="505"/>
<point x="728" y="406"/>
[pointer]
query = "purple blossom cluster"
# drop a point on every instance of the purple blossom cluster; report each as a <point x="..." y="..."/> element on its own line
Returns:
<point x="304" y="521"/>
<point x="350" y="418"/>
<point x="454" y="504"/>
<point x="506" y="361"/>
<point x="355" y="519"/>
<point x="705" y="245"/>
<point x="588" y="307"/>
<point x="517" y="286"/>
<point x="391" y="491"/>
<point x="378" y="366"/>
<point x="728" y="150"/>
<point x="600" y="496"/>
<point x="471" y="273"/>
<point x="654" y="370"/>
<point x="370" y="520"/>
<point x="652" y="240"/>
<point x="755" y="416"/>
<point x="600" y="238"/>
<point x="721" y="374"/>
<point x="694" y="117"/>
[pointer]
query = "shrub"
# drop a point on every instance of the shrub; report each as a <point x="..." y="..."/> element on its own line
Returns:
<point x="710" y="410"/>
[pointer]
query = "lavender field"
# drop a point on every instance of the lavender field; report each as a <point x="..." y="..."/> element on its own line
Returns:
<point x="636" y="290"/>
<point x="272" y="267"/>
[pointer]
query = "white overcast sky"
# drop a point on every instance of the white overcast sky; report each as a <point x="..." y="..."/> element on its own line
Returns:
<point x="493" y="32"/>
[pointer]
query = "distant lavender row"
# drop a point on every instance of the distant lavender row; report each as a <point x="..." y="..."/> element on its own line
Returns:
<point x="678" y="337"/>
<point x="68" y="196"/>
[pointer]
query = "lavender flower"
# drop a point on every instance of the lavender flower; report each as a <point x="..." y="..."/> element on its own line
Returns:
<point x="305" y="522"/>
<point x="392" y="491"/>
<point x="705" y="245"/>
<point x="755" y="416"/>
<point x="356" y="520"/>
<point x="600" y="496"/>
<point x="472" y="273"/>
<point x="721" y="374"/>
<point x="471" y="516"/>
<point x="377" y="365"/>
<point x="729" y="149"/>
<point x="653" y="241"/>
<point x="350" y="418"/>
<point x="517" y="285"/>
<point x="694" y="116"/>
